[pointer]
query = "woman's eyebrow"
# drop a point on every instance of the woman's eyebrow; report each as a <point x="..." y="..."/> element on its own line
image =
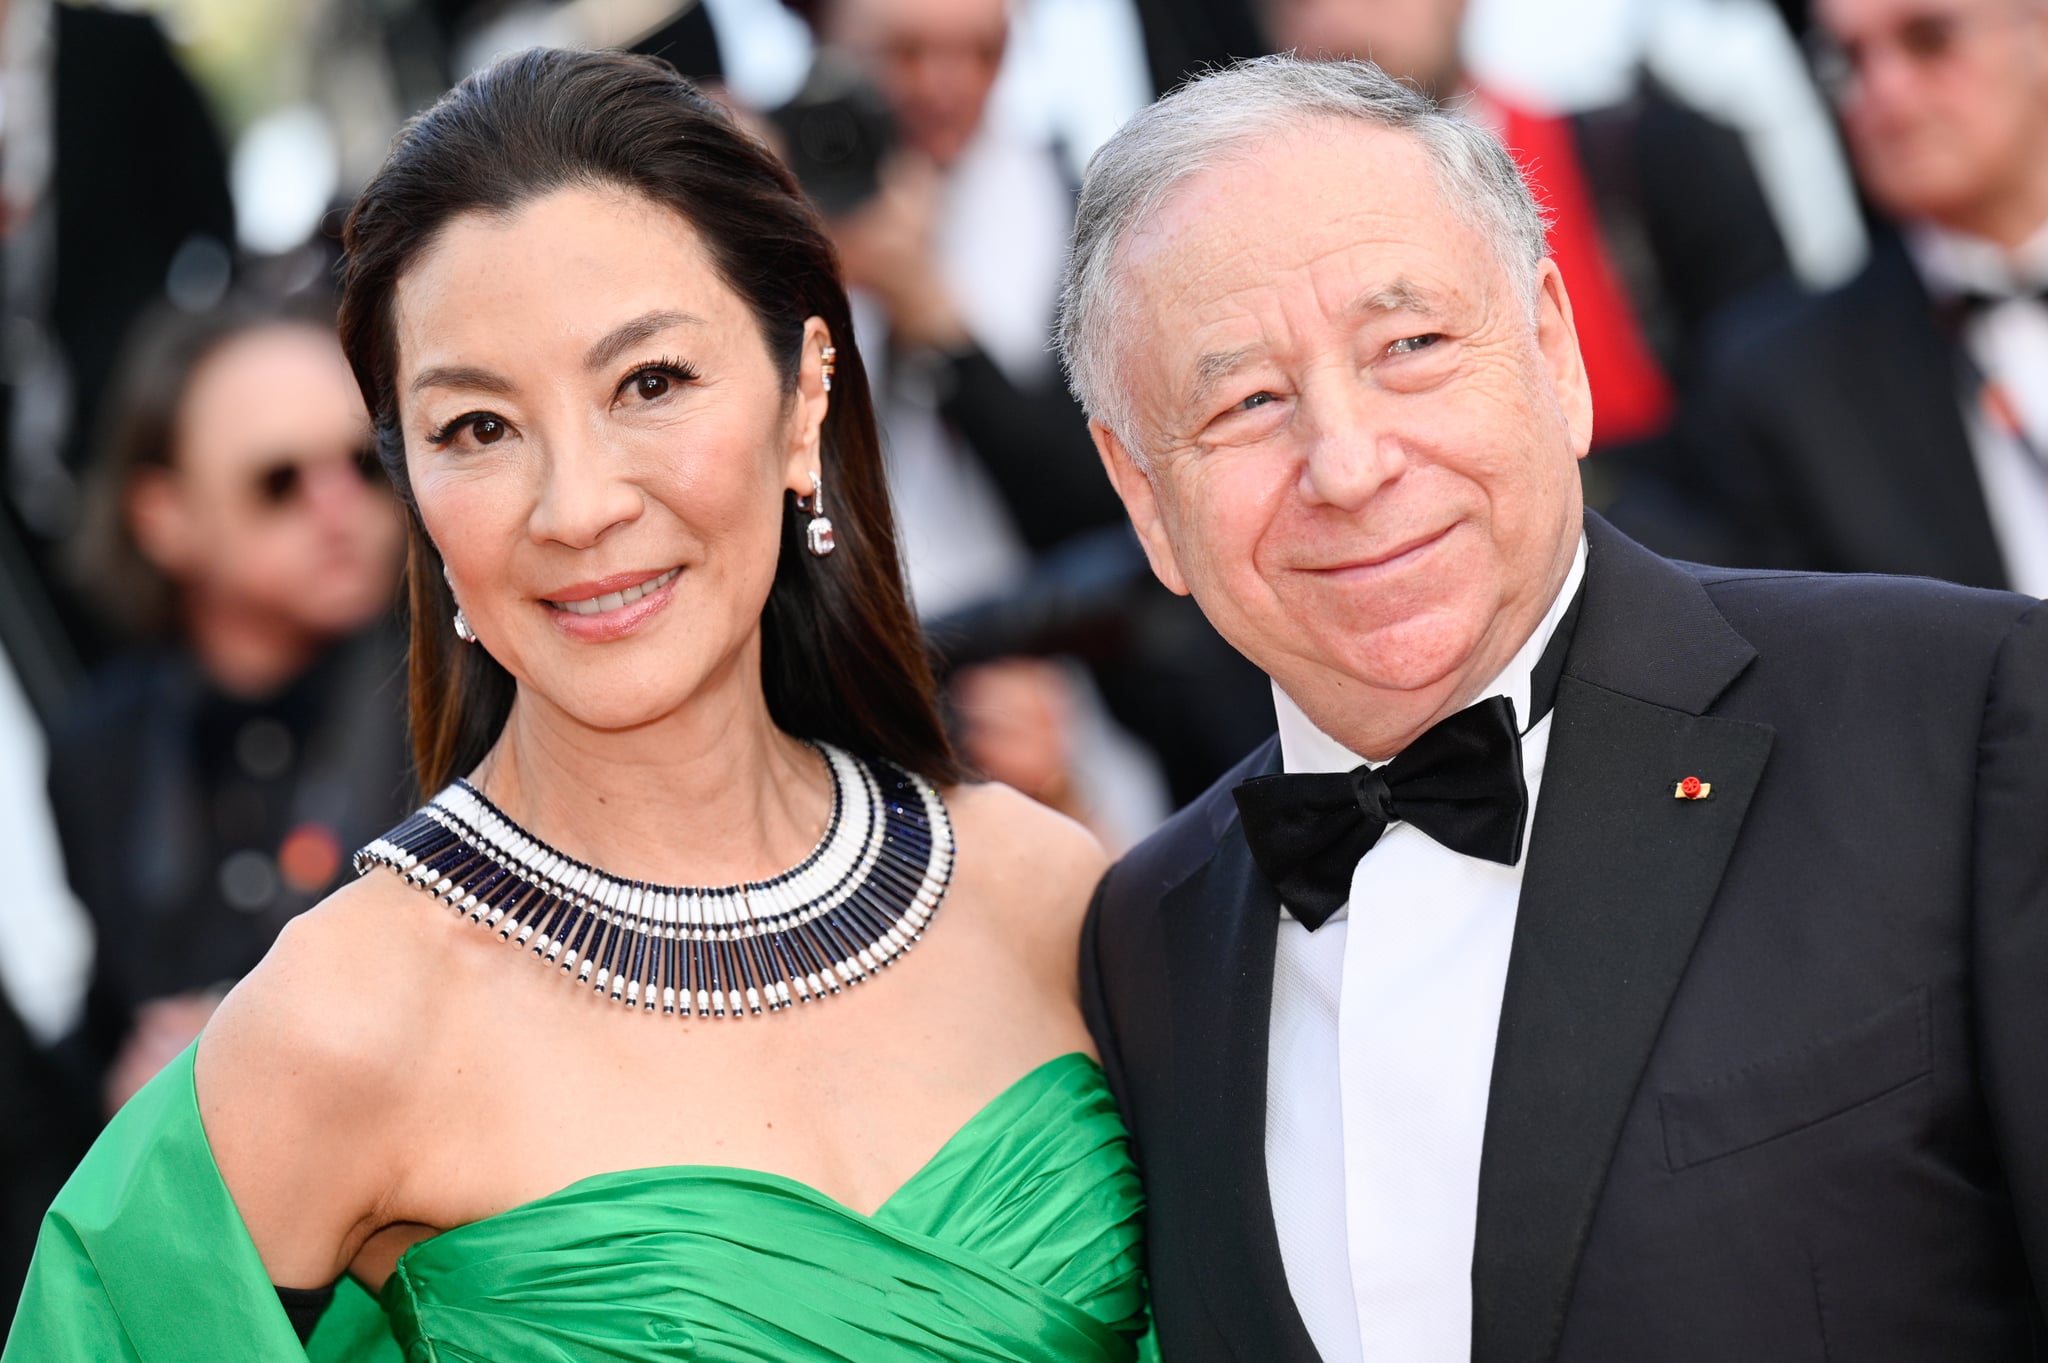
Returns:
<point x="629" y="334"/>
<point x="461" y="376"/>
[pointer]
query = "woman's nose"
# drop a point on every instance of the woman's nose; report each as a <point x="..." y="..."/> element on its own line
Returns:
<point x="583" y="494"/>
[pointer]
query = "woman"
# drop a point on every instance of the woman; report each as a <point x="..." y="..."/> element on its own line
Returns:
<point x="612" y="374"/>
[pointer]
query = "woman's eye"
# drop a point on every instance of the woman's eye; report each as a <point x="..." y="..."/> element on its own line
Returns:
<point x="649" y="383"/>
<point x="481" y="427"/>
<point x="1408" y="345"/>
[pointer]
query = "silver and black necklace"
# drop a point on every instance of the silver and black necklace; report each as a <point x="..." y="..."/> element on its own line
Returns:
<point x="861" y="898"/>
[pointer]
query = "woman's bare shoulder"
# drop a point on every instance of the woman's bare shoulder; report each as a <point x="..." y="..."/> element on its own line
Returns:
<point x="303" y="1075"/>
<point x="1035" y="865"/>
<point x="339" y="991"/>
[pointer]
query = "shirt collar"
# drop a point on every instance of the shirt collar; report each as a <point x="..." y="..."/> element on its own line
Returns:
<point x="1304" y="747"/>
<point x="1953" y="263"/>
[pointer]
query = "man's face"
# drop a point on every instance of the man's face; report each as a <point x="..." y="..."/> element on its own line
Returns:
<point x="274" y="509"/>
<point x="1944" y="102"/>
<point x="1413" y="40"/>
<point x="1359" y="453"/>
<point x="935" y="60"/>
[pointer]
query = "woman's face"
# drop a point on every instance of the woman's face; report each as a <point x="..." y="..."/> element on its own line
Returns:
<point x="599" y="443"/>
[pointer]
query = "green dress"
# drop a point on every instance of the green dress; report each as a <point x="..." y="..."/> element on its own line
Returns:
<point x="1018" y="1241"/>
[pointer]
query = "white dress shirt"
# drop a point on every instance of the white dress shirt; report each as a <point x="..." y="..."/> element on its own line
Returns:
<point x="2009" y="344"/>
<point x="1380" y="1058"/>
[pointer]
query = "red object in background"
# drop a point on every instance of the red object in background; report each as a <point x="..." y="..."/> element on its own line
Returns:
<point x="309" y="857"/>
<point x="1632" y="395"/>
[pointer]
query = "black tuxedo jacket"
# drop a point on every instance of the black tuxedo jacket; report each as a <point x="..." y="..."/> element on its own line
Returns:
<point x="1829" y="436"/>
<point x="1772" y="1075"/>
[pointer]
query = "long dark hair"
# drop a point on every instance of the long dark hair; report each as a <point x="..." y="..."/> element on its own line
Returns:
<point x="842" y="658"/>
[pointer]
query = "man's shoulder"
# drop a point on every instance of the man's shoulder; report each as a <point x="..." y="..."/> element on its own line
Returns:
<point x="1823" y="609"/>
<point x="1185" y="842"/>
<point x="1903" y="644"/>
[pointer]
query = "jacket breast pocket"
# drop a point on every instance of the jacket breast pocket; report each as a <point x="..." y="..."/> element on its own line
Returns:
<point x="1795" y="1090"/>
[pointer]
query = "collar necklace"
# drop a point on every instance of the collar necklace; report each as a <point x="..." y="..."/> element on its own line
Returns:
<point x="862" y="897"/>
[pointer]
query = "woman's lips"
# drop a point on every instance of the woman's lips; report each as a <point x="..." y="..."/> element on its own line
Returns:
<point x="608" y="595"/>
<point x="618" y="609"/>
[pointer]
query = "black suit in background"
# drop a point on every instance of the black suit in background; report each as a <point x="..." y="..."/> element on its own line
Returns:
<point x="1771" y="1079"/>
<point x="1828" y="435"/>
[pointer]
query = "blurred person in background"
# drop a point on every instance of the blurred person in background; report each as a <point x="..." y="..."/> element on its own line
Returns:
<point x="951" y="231"/>
<point x="1657" y="219"/>
<point x="952" y="241"/>
<point x="208" y="784"/>
<point x="1900" y="423"/>
<point x="956" y="252"/>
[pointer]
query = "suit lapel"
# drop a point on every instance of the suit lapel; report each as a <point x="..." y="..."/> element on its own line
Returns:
<point x="1618" y="883"/>
<point x="1222" y="928"/>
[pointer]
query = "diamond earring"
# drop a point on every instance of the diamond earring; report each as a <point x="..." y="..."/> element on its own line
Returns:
<point x="818" y="536"/>
<point x="462" y="629"/>
<point x="828" y="366"/>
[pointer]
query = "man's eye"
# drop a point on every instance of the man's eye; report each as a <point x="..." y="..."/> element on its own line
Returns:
<point x="1408" y="345"/>
<point x="1253" y="402"/>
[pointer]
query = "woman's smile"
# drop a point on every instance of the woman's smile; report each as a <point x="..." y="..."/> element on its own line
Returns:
<point x="611" y="607"/>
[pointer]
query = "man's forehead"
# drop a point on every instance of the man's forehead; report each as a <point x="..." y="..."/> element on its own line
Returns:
<point x="1313" y="202"/>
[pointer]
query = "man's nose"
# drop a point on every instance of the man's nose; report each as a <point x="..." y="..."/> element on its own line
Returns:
<point x="1353" y="447"/>
<point x="584" y="493"/>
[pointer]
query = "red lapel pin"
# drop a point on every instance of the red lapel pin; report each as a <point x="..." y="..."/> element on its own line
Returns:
<point x="1692" y="788"/>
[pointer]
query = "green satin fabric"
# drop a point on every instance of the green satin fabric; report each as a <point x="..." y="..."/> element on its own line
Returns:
<point x="1019" y="1241"/>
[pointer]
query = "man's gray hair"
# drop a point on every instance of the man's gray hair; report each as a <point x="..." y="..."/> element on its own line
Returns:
<point x="1205" y="120"/>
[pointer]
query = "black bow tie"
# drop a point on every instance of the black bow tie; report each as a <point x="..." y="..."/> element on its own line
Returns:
<point x="1460" y="782"/>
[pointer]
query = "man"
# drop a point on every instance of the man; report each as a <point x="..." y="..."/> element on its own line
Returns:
<point x="1900" y="424"/>
<point x="1733" y="1050"/>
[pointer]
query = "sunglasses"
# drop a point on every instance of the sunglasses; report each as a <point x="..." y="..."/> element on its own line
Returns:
<point x="282" y="485"/>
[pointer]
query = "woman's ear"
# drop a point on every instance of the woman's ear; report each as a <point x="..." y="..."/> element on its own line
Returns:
<point x="813" y="401"/>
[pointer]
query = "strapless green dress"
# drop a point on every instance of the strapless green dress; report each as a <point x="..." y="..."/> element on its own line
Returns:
<point x="1018" y="1241"/>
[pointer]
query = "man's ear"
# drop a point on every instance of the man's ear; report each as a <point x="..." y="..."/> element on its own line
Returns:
<point x="1141" y="501"/>
<point x="158" y="520"/>
<point x="1557" y="336"/>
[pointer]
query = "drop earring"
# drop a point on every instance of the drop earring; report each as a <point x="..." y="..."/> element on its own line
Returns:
<point x="828" y="365"/>
<point x="462" y="629"/>
<point x="818" y="537"/>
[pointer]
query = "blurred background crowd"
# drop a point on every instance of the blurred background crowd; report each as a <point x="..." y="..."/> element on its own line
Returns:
<point x="1806" y="243"/>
